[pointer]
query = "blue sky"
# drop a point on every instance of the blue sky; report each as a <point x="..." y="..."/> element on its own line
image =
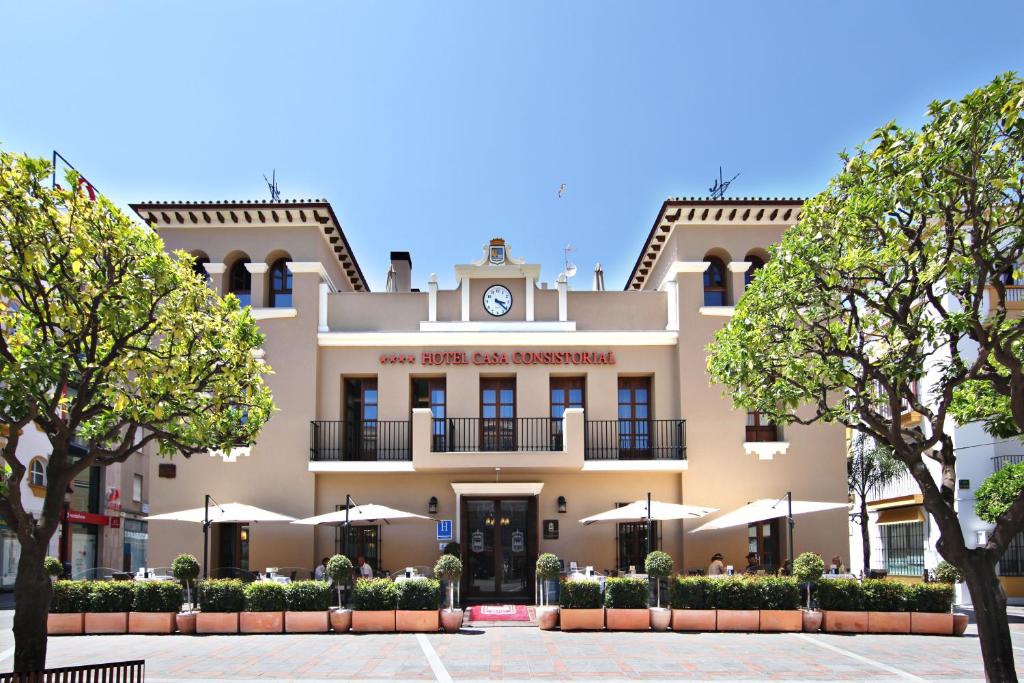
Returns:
<point x="432" y="127"/>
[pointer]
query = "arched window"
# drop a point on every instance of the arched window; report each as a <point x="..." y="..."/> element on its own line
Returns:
<point x="714" y="282"/>
<point x="756" y="264"/>
<point x="240" y="282"/>
<point x="280" y="284"/>
<point x="199" y="267"/>
<point x="37" y="472"/>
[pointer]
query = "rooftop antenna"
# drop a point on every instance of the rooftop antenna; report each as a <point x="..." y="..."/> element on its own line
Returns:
<point x="275" y="193"/>
<point x="718" y="189"/>
<point x="570" y="267"/>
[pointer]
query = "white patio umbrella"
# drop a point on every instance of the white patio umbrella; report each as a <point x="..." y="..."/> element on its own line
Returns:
<point x="363" y="515"/>
<point x="648" y="511"/>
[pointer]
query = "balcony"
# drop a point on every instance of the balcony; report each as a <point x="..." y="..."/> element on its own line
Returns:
<point x="1001" y="461"/>
<point x="635" y="440"/>
<point x="506" y="434"/>
<point x="369" y="441"/>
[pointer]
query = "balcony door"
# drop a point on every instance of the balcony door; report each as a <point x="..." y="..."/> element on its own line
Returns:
<point x="634" y="418"/>
<point x="361" y="419"/>
<point x="566" y="392"/>
<point x="431" y="393"/>
<point x="499" y="547"/>
<point x="498" y="414"/>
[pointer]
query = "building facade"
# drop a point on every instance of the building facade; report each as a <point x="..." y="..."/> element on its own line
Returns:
<point x="510" y="406"/>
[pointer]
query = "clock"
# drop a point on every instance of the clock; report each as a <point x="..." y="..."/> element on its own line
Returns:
<point x="497" y="300"/>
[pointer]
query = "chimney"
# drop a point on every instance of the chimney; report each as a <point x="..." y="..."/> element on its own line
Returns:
<point x="598" y="278"/>
<point x="401" y="262"/>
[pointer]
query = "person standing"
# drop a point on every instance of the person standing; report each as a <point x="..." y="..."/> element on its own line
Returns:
<point x="365" y="570"/>
<point x="717" y="566"/>
<point x="321" y="571"/>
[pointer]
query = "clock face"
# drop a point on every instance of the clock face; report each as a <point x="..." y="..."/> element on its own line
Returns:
<point x="497" y="300"/>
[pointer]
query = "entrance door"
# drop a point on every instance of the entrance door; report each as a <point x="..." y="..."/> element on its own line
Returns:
<point x="498" y="540"/>
<point x="498" y="414"/>
<point x="360" y="419"/>
<point x="634" y="418"/>
<point x="763" y="539"/>
<point x="232" y="542"/>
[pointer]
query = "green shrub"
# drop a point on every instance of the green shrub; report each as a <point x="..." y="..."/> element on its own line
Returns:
<point x="844" y="595"/>
<point x="264" y="596"/>
<point x="947" y="573"/>
<point x="998" y="492"/>
<point x="375" y="594"/>
<point x="626" y="593"/>
<point x="419" y="594"/>
<point x="930" y="597"/>
<point x="580" y="594"/>
<point x="693" y="592"/>
<point x="307" y="596"/>
<point x="777" y="592"/>
<point x="448" y="567"/>
<point x="737" y="593"/>
<point x="221" y="595"/>
<point x="548" y="566"/>
<point x="339" y="569"/>
<point x="53" y="566"/>
<point x="156" y="596"/>
<point x="110" y="596"/>
<point x="185" y="568"/>
<point x="808" y="567"/>
<point x="69" y="597"/>
<point x="658" y="564"/>
<point x="884" y="596"/>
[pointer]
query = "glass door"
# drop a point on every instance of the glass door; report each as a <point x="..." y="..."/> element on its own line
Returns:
<point x="566" y="392"/>
<point x="515" y="530"/>
<point x="361" y="419"/>
<point x="497" y="414"/>
<point x="481" y="577"/>
<point x="498" y="542"/>
<point x="634" y="418"/>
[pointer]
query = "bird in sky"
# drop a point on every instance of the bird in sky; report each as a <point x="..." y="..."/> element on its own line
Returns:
<point x="561" y="190"/>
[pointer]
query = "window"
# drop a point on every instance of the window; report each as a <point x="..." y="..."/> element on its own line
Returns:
<point x="759" y="429"/>
<point x="756" y="264"/>
<point x="714" y="282"/>
<point x="1012" y="562"/>
<point x="37" y="472"/>
<point x="137" y="488"/>
<point x="634" y="418"/>
<point x="497" y="414"/>
<point x="361" y="419"/>
<point x="763" y="539"/>
<point x="903" y="548"/>
<point x="430" y="393"/>
<point x="631" y="543"/>
<point x="280" y="284"/>
<point x="362" y="540"/>
<point x="240" y="282"/>
<point x="566" y="392"/>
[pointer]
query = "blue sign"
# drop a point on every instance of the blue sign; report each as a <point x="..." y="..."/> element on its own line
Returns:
<point x="444" y="530"/>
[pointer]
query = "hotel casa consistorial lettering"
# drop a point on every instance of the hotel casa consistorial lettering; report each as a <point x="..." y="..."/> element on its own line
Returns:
<point x="445" y="358"/>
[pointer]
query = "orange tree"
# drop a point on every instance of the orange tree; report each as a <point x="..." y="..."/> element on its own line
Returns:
<point x="107" y="340"/>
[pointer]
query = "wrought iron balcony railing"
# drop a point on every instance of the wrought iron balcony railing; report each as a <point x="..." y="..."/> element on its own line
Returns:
<point x="1001" y="461"/>
<point x="635" y="440"/>
<point x="475" y="434"/>
<point x="367" y="440"/>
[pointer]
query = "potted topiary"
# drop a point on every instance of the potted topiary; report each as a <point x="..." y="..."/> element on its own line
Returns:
<point x="779" y="604"/>
<point x="307" y="605"/>
<point x="549" y="567"/>
<point x="155" y="605"/>
<point x="886" y="603"/>
<point x="68" y="604"/>
<point x="374" y="602"/>
<point x="842" y="606"/>
<point x="625" y="601"/>
<point x="807" y="569"/>
<point x="418" y="603"/>
<point x="948" y="573"/>
<point x="931" y="607"/>
<point x="580" y="607"/>
<point x="693" y="603"/>
<point x="185" y="568"/>
<point x="738" y="605"/>
<point x="658" y="566"/>
<point x="264" y="608"/>
<point x="109" y="604"/>
<point x="449" y="568"/>
<point x="54" y="567"/>
<point x="339" y="569"/>
<point x="220" y="601"/>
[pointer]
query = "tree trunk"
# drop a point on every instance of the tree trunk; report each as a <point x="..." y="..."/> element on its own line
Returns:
<point x="32" y="590"/>
<point x="865" y="536"/>
<point x="990" y="612"/>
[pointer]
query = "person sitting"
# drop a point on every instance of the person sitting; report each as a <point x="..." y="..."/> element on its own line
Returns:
<point x="837" y="566"/>
<point x="786" y="569"/>
<point x="753" y="563"/>
<point x="321" y="571"/>
<point x="717" y="566"/>
<point x="365" y="570"/>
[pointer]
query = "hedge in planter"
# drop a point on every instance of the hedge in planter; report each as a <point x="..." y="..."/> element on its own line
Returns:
<point x="307" y="603"/>
<point x="220" y="601"/>
<point x="580" y="594"/>
<point x="931" y="608"/>
<point x="264" y="608"/>
<point x="738" y="604"/>
<point x="154" y="606"/>
<point x="418" y="604"/>
<point x="626" y="600"/>
<point x="886" y="603"/>
<point x="692" y="599"/>
<point x="109" y="604"/>
<point x="777" y="593"/>
<point x="68" y="603"/>
<point x="375" y="602"/>
<point x="843" y="604"/>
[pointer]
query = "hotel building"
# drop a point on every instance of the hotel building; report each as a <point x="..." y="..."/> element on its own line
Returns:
<point x="509" y="405"/>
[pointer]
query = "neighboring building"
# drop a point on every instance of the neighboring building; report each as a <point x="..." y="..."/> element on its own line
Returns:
<point x="510" y="406"/>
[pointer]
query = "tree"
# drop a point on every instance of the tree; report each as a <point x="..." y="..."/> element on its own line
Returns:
<point x="108" y="341"/>
<point x="895" y="272"/>
<point x="869" y="468"/>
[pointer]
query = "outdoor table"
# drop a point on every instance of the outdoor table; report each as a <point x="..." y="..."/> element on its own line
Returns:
<point x="154" y="578"/>
<point x="277" y="579"/>
<point x="580" y="576"/>
<point x="418" y="577"/>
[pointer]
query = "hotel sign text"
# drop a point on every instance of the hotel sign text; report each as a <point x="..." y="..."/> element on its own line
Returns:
<point x="501" y="358"/>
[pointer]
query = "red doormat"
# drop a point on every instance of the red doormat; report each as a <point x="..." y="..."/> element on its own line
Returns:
<point x="498" y="613"/>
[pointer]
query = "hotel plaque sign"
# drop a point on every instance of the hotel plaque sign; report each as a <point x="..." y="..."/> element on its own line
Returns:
<point x="435" y="358"/>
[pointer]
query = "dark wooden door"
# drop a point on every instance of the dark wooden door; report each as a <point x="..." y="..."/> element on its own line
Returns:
<point x="634" y="418"/>
<point x="498" y="414"/>
<point x="566" y="392"/>
<point x="499" y="542"/>
<point x="361" y="419"/>
<point x="432" y="393"/>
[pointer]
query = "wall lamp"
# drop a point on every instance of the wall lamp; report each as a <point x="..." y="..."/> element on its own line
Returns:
<point x="561" y="504"/>
<point x="432" y="505"/>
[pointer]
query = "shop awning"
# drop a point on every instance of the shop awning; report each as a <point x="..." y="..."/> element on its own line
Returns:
<point x="900" y="515"/>
<point x="767" y="508"/>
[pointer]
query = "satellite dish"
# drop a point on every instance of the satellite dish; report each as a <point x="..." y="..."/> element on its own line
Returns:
<point x="570" y="269"/>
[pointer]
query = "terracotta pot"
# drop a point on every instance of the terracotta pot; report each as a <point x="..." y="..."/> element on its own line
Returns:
<point x="628" y="619"/>
<point x="694" y="620"/>
<point x="581" y="619"/>
<point x="835" y="621"/>
<point x="960" y="623"/>
<point x="812" y="620"/>
<point x="661" y="617"/>
<point x="547" y="618"/>
<point x="186" y="622"/>
<point x="451" y="621"/>
<point x="924" y="623"/>
<point x="417" y="621"/>
<point x="151" y="622"/>
<point x="217" y="622"/>
<point x="114" y="622"/>
<point x="306" y="622"/>
<point x="260" y="622"/>
<point x="739" y="619"/>
<point x="69" y="624"/>
<point x="781" y="620"/>
<point x="341" y="620"/>
<point x="373" y="621"/>
<point x="888" y="622"/>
